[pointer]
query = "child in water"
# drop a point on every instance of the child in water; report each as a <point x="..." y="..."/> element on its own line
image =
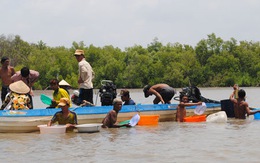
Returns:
<point x="181" y="108"/>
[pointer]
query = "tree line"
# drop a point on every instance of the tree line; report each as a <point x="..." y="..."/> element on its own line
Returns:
<point x="212" y="62"/>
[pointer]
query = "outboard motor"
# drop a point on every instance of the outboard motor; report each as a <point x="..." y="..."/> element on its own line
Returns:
<point x="192" y="92"/>
<point x="194" y="95"/>
<point x="107" y="92"/>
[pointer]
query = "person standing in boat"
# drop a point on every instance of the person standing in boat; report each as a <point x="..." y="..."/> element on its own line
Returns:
<point x="58" y="93"/>
<point x="86" y="75"/>
<point x="65" y="116"/>
<point x="110" y="121"/>
<point x="6" y="72"/>
<point x="163" y="92"/>
<point x="29" y="77"/>
<point x="181" y="108"/>
<point x="17" y="98"/>
<point x="125" y="96"/>
<point x="241" y="107"/>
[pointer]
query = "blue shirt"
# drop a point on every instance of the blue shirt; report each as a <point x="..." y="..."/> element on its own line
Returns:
<point x="130" y="102"/>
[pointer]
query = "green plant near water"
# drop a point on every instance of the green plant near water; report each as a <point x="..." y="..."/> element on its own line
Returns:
<point x="212" y="62"/>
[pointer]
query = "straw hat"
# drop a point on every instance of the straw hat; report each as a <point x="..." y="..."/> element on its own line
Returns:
<point x="79" y="52"/>
<point x="64" y="101"/>
<point x="64" y="83"/>
<point x="19" y="87"/>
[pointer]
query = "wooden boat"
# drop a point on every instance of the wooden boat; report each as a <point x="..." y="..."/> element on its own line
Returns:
<point x="28" y="120"/>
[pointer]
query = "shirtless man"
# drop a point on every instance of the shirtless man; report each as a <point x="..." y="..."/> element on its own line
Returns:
<point x="110" y="121"/>
<point x="241" y="107"/>
<point x="181" y="108"/>
<point x="163" y="93"/>
<point x="6" y="72"/>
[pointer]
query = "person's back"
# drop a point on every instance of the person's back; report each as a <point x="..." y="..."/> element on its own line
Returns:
<point x="160" y="86"/>
<point x="240" y="109"/>
<point x="29" y="77"/>
<point x="163" y="92"/>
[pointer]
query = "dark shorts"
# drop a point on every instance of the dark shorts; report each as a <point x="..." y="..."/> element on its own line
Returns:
<point x="86" y="94"/>
<point x="167" y="94"/>
<point x="5" y="90"/>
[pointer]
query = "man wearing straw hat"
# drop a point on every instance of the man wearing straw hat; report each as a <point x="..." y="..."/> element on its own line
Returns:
<point x="18" y="98"/>
<point x="86" y="75"/>
<point x="65" y="116"/>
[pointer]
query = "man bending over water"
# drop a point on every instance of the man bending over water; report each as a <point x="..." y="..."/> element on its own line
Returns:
<point x="241" y="107"/>
<point x="163" y="92"/>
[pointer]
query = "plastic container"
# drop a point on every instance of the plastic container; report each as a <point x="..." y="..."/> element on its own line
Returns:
<point x="200" y="109"/>
<point x="228" y="107"/>
<point x="89" y="128"/>
<point x="148" y="120"/>
<point x="219" y="117"/>
<point x="134" y="120"/>
<point x="57" y="129"/>
<point x="195" y="118"/>
<point x="257" y="116"/>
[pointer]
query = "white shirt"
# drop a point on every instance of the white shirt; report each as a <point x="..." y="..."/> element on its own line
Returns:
<point x="86" y="74"/>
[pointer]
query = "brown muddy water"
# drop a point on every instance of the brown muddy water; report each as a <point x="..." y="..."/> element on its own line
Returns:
<point x="234" y="141"/>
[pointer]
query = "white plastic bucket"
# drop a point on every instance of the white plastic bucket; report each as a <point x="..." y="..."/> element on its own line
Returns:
<point x="218" y="117"/>
<point x="57" y="129"/>
<point x="89" y="128"/>
<point x="200" y="109"/>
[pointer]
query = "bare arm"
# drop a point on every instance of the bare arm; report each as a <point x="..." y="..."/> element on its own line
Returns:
<point x="190" y="104"/>
<point x="13" y="71"/>
<point x="157" y="94"/>
<point x="49" y="123"/>
<point x="231" y="97"/>
<point x="34" y="75"/>
<point x="248" y="111"/>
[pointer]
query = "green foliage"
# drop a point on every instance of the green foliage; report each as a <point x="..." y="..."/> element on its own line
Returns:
<point x="212" y="62"/>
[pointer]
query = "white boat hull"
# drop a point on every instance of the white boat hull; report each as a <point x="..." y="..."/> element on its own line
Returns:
<point x="10" y="123"/>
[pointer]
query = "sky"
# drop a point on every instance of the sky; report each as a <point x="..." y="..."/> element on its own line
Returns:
<point x="126" y="23"/>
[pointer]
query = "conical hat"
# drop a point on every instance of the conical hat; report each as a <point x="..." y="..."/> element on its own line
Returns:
<point x="19" y="87"/>
<point x="63" y="82"/>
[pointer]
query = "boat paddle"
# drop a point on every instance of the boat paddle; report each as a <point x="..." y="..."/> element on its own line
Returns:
<point x="46" y="99"/>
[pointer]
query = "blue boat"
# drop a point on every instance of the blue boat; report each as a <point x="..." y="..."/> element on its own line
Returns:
<point x="27" y="120"/>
